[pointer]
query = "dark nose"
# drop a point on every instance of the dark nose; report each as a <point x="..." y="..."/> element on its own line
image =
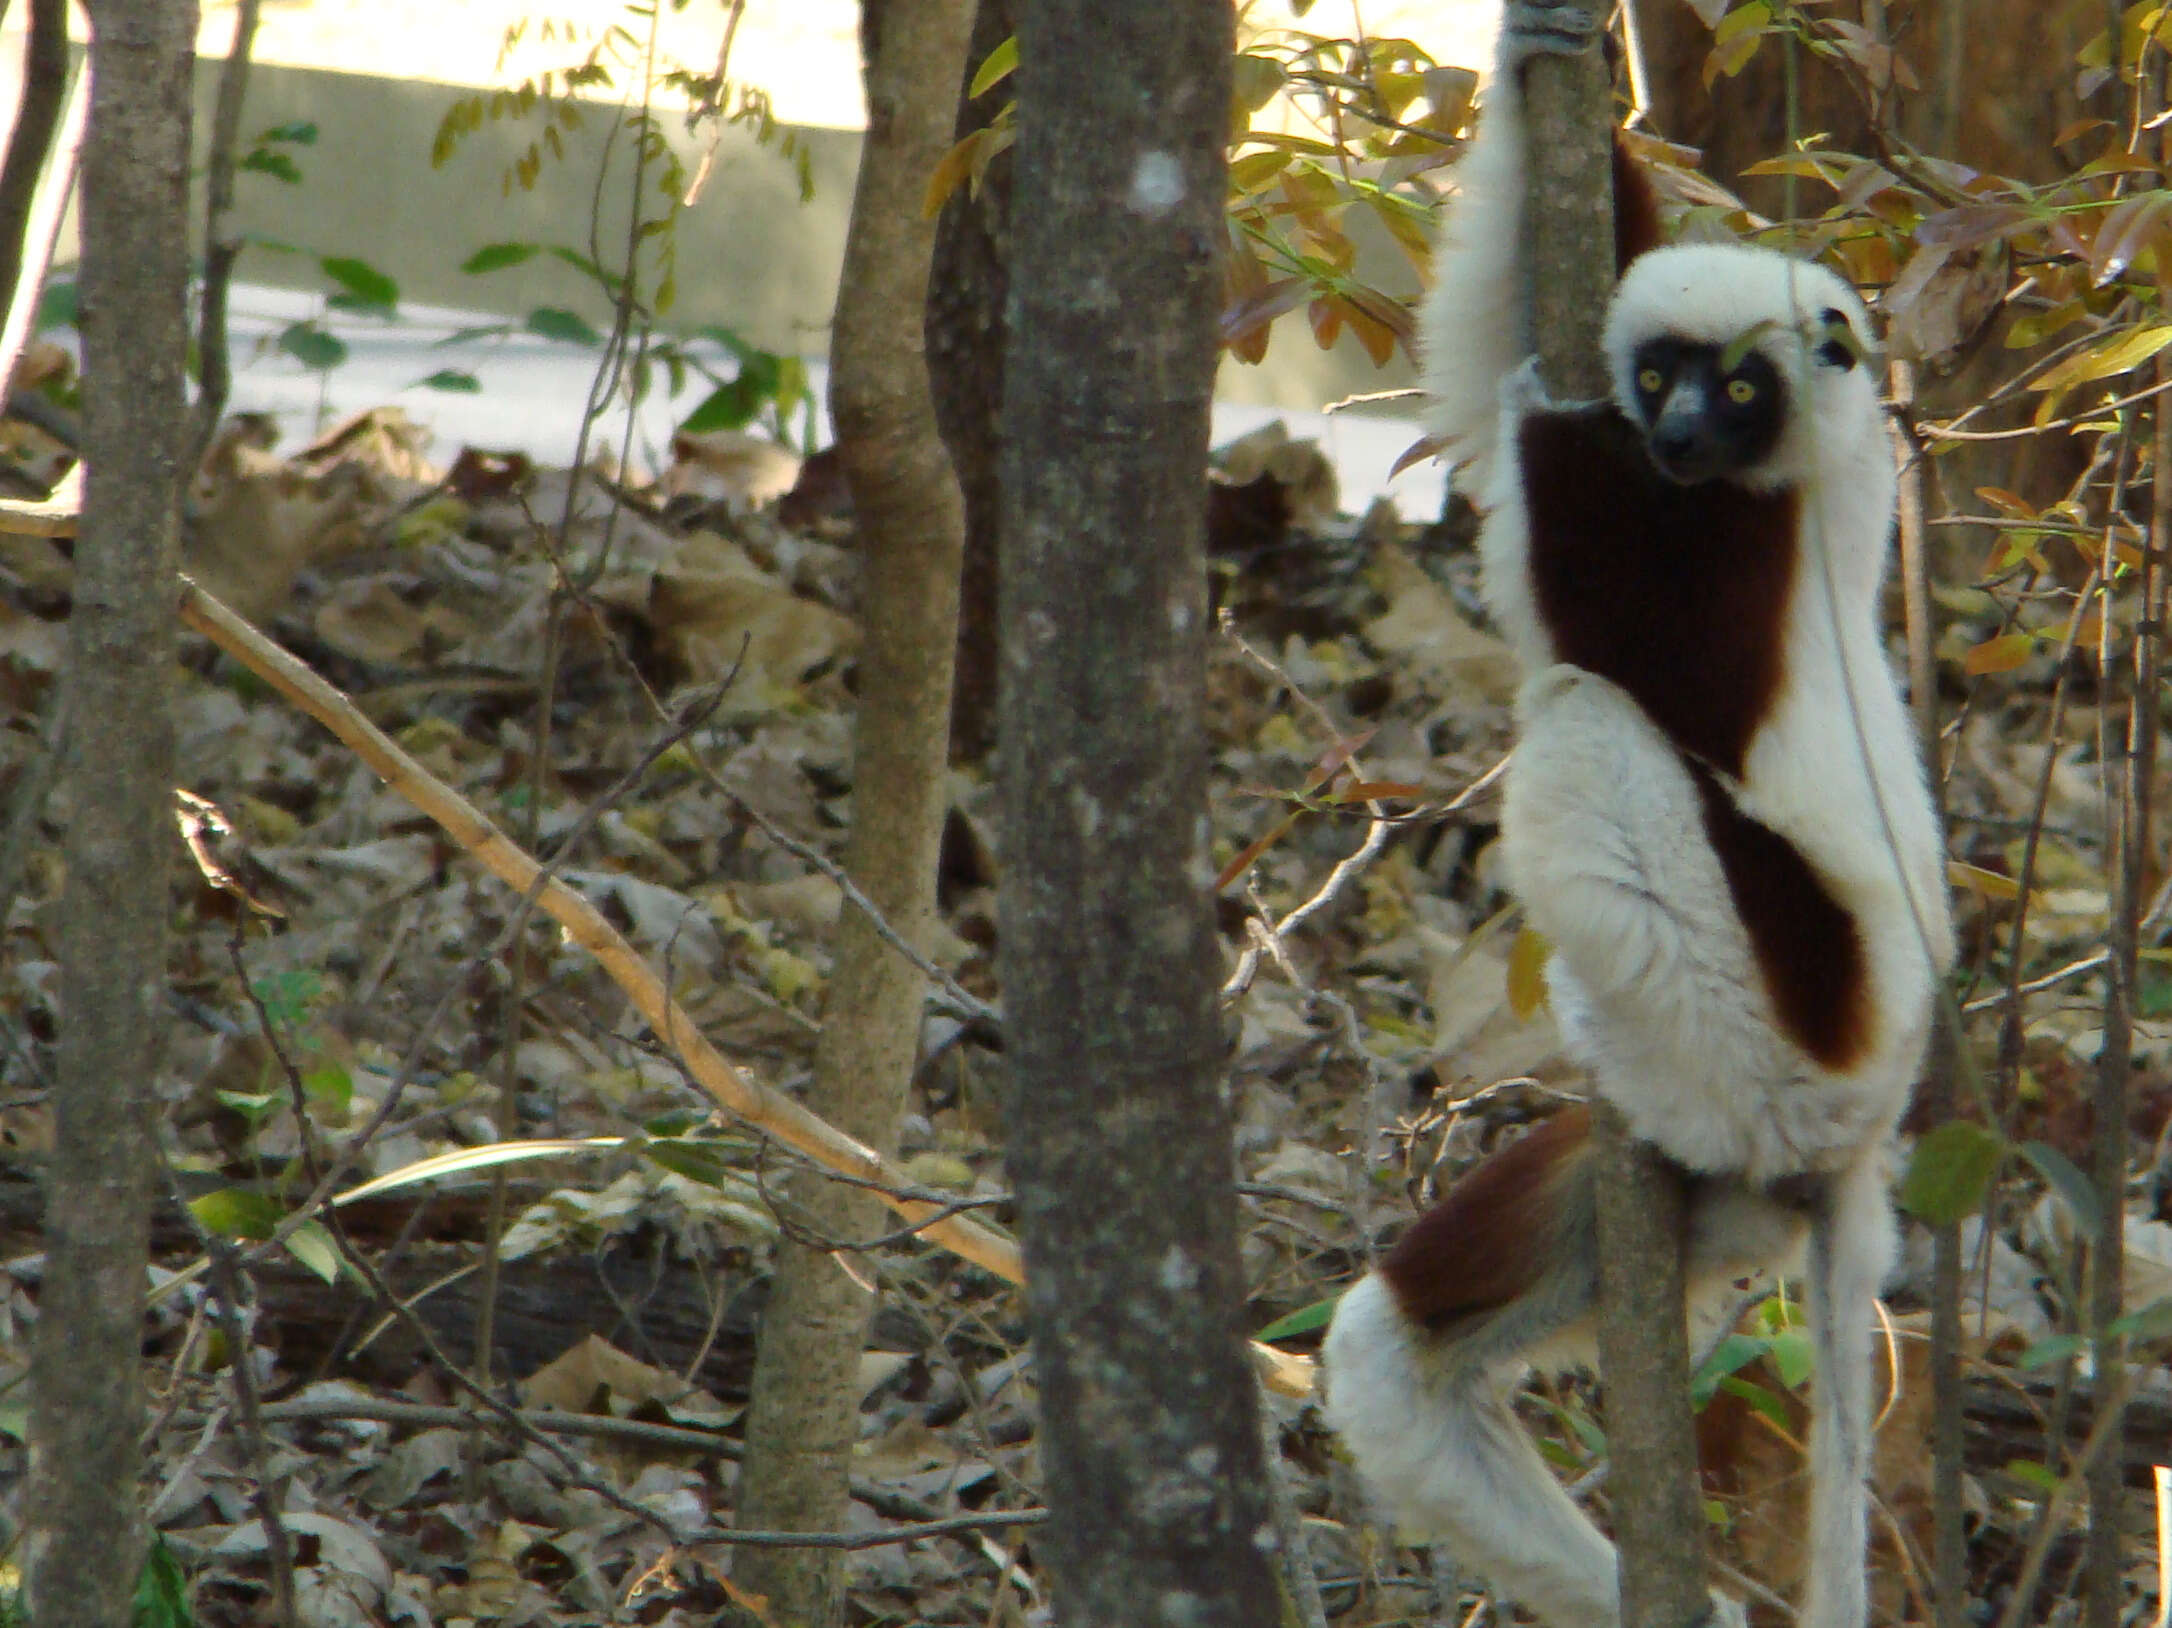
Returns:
<point x="1684" y="442"/>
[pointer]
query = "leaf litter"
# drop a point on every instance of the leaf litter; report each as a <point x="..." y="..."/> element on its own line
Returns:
<point x="1390" y="1037"/>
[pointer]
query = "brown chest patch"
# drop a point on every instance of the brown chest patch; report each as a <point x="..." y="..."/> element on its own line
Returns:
<point x="1809" y="950"/>
<point x="1676" y="593"/>
<point x="1498" y="1230"/>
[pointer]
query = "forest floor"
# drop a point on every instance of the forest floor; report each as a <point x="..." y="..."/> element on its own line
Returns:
<point x="350" y="1005"/>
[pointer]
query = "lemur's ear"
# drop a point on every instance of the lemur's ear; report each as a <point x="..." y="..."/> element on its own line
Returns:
<point x="1838" y="344"/>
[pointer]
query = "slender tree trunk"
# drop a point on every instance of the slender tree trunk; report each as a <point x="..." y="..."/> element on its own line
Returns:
<point x="221" y="247"/>
<point x="85" y="1526"/>
<point x="804" y="1414"/>
<point x="1118" y="1129"/>
<point x="45" y="87"/>
<point x="965" y="363"/>
<point x="1643" y="1345"/>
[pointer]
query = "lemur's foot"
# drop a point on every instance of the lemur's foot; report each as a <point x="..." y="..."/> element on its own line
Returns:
<point x="1524" y="394"/>
<point x="1532" y="27"/>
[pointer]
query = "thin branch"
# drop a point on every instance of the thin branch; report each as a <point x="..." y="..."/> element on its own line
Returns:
<point x="733" y="1089"/>
<point x="215" y="380"/>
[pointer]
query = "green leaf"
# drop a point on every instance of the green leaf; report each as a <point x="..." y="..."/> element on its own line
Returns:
<point x="1002" y="62"/>
<point x="1951" y="1172"/>
<point x="1301" y="1321"/>
<point x="554" y="322"/>
<point x="1730" y="1356"/>
<point x="237" y="1212"/>
<point x="162" y="1590"/>
<point x="362" y="280"/>
<point x="1758" y="1397"/>
<point x="497" y="256"/>
<point x="301" y="132"/>
<point x="329" y="1084"/>
<point x="276" y="165"/>
<point x="1578" y="1422"/>
<point x="451" y="379"/>
<point x="468" y="336"/>
<point x="1792" y="1357"/>
<point x="57" y="305"/>
<point x="2045" y="1352"/>
<point x="2035" y="1474"/>
<point x="704" y="1162"/>
<point x="728" y="407"/>
<point x="251" y="1105"/>
<point x="2152" y="1322"/>
<point x="311" y="346"/>
<point x="310" y="1244"/>
<point x="2076" y="1191"/>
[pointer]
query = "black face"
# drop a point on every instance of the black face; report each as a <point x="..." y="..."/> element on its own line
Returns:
<point x="1702" y="423"/>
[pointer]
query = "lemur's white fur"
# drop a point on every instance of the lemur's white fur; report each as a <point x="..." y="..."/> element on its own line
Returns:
<point x="1469" y="320"/>
<point x="1653" y="973"/>
<point x="1602" y="819"/>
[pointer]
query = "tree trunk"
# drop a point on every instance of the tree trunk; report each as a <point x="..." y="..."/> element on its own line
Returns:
<point x="1118" y="1126"/>
<point x="804" y="1412"/>
<point x="85" y="1536"/>
<point x="45" y="87"/>
<point x="1643" y="1346"/>
<point x="965" y="364"/>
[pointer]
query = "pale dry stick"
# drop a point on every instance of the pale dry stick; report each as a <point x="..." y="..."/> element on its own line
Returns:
<point x="760" y="1107"/>
<point x="48" y="203"/>
<point x="713" y="106"/>
<point x="2163" y="1475"/>
<point x="2036" y="986"/>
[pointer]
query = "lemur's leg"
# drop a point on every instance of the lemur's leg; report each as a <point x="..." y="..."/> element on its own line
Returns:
<point x="1423" y="1354"/>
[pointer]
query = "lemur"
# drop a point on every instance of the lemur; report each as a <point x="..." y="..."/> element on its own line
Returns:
<point x="1717" y="816"/>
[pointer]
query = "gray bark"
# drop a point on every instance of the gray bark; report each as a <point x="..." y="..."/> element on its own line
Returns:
<point x="1118" y="1127"/>
<point x="1643" y="1346"/>
<point x="85" y="1535"/>
<point x="965" y="364"/>
<point x="804" y="1411"/>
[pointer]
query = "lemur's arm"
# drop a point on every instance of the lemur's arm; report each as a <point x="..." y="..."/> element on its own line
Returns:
<point x="1471" y="327"/>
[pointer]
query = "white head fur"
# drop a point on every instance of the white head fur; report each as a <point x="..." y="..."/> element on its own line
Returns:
<point x="1724" y="293"/>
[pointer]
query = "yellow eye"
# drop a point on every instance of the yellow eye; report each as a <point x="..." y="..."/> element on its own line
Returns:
<point x="1741" y="392"/>
<point x="1649" y="380"/>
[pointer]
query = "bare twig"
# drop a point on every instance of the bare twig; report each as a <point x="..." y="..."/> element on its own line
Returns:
<point x="221" y="250"/>
<point x="733" y="1089"/>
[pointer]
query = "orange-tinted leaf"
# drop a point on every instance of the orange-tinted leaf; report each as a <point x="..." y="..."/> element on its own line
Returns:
<point x="1991" y="884"/>
<point x="1326" y="316"/>
<point x="1245" y="860"/>
<point x="2116" y="353"/>
<point x="952" y="168"/>
<point x="1527" y="958"/>
<point x="1374" y="791"/>
<point x="1332" y="761"/>
<point x="2000" y="655"/>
